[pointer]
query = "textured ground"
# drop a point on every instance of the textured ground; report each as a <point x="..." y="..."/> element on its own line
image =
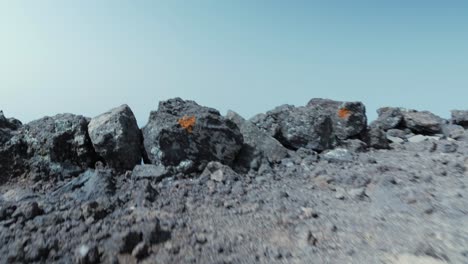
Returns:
<point x="404" y="205"/>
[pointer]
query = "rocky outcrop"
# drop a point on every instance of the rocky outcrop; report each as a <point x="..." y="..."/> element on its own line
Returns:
<point x="258" y="146"/>
<point x="297" y="127"/>
<point x="116" y="138"/>
<point x="419" y="122"/>
<point x="349" y="118"/>
<point x="187" y="136"/>
<point x="59" y="146"/>
<point x="460" y="117"/>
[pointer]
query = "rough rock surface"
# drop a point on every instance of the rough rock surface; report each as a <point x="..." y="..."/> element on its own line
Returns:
<point x="186" y="135"/>
<point x="298" y="127"/>
<point x="349" y="118"/>
<point x="59" y="146"/>
<point x="349" y="204"/>
<point x="460" y="117"/>
<point x="258" y="146"/>
<point x="116" y="138"/>
<point x="422" y="122"/>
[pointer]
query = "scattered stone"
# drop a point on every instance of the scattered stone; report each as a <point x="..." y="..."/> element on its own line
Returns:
<point x="181" y="131"/>
<point x="338" y="155"/>
<point x="396" y="133"/>
<point x="395" y="139"/>
<point x="349" y="118"/>
<point x="60" y="146"/>
<point x="28" y="210"/>
<point x="421" y="138"/>
<point x="116" y="137"/>
<point x="297" y="127"/>
<point x="454" y="131"/>
<point x="446" y="146"/>
<point x="354" y="145"/>
<point x="149" y="171"/>
<point x="219" y="173"/>
<point x="375" y="137"/>
<point x="460" y="117"/>
<point x="389" y="117"/>
<point x="258" y="145"/>
<point x="422" y="122"/>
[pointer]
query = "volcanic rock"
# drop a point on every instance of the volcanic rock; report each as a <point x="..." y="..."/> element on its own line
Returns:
<point x="460" y="117"/>
<point x="257" y="146"/>
<point x="59" y="146"/>
<point x="186" y="135"/>
<point x="297" y="127"/>
<point x="389" y="117"/>
<point x="349" y="118"/>
<point x="116" y="137"/>
<point x="422" y="122"/>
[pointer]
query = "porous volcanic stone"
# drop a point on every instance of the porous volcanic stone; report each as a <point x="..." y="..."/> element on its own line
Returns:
<point x="116" y="137"/>
<point x="188" y="136"/>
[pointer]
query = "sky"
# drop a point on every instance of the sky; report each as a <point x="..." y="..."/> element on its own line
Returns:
<point x="86" y="57"/>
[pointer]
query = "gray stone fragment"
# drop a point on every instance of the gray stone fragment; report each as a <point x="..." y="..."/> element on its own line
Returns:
<point x="338" y="155"/>
<point x="349" y="118"/>
<point x="149" y="171"/>
<point x="219" y="172"/>
<point x="421" y="138"/>
<point x="395" y="139"/>
<point x="460" y="117"/>
<point x="258" y="145"/>
<point x="389" y="117"/>
<point x="116" y="137"/>
<point x="181" y="131"/>
<point x="454" y="131"/>
<point x="422" y="122"/>
<point x="296" y="127"/>
<point x="376" y="137"/>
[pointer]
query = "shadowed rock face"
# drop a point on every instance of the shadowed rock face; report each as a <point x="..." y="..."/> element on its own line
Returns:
<point x="116" y="138"/>
<point x="186" y="135"/>
<point x="59" y="146"/>
<point x="349" y="118"/>
<point x="420" y="122"/>
<point x="460" y="117"/>
<point x="297" y="127"/>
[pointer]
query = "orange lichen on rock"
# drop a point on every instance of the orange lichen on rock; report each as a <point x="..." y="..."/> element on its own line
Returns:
<point x="187" y="122"/>
<point x="344" y="113"/>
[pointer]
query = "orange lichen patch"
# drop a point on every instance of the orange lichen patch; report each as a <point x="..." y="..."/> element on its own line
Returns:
<point x="344" y="113"/>
<point x="187" y="122"/>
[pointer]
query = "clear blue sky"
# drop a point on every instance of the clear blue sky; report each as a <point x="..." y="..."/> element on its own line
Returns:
<point x="88" y="56"/>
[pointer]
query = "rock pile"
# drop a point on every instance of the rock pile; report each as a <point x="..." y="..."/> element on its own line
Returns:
<point x="183" y="137"/>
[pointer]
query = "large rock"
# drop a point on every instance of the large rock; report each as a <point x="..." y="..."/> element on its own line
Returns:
<point x="389" y="118"/>
<point x="59" y="146"/>
<point x="186" y="135"/>
<point x="9" y="123"/>
<point x="297" y="127"/>
<point x="116" y="137"/>
<point x="422" y="122"/>
<point x="375" y="137"/>
<point x="258" y="145"/>
<point x="13" y="149"/>
<point x="460" y="117"/>
<point x="349" y="118"/>
<point x="419" y="122"/>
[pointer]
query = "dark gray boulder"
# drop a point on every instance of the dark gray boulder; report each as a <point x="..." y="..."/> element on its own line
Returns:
<point x="422" y="122"/>
<point x="258" y="145"/>
<point x="59" y="146"/>
<point x="454" y="131"/>
<point x="9" y="123"/>
<point x="116" y="138"/>
<point x="389" y="118"/>
<point x="13" y="149"/>
<point x="419" y="122"/>
<point x="186" y="135"/>
<point x="297" y="127"/>
<point x="375" y="137"/>
<point x="349" y="118"/>
<point x="460" y="117"/>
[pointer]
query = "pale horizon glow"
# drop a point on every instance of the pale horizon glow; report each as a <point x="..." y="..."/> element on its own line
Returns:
<point x="86" y="57"/>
